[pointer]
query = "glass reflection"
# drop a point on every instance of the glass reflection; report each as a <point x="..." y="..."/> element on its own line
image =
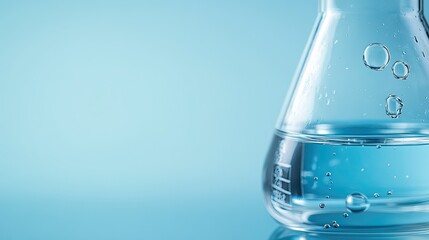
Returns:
<point x="288" y="234"/>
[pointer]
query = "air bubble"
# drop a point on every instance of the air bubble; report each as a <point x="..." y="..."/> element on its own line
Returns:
<point x="415" y="39"/>
<point x="336" y="225"/>
<point x="378" y="146"/>
<point x="328" y="174"/>
<point x="394" y="106"/>
<point x="389" y="193"/>
<point x="376" y="195"/>
<point x="327" y="226"/>
<point x="316" y="178"/>
<point x="376" y="56"/>
<point x="362" y="170"/>
<point x="346" y="215"/>
<point x="322" y="205"/>
<point x="400" y="70"/>
<point x="357" y="203"/>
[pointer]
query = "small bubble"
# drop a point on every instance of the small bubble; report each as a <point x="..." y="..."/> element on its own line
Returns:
<point x="327" y="226"/>
<point x="388" y="164"/>
<point x="336" y="41"/>
<point x="327" y="197"/>
<point x="316" y="178"/>
<point x="401" y="70"/>
<point x="378" y="146"/>
<point x="322" y="205"/>
<point x="357" y="203"/>
<point x="394" y="106"/>
<point x="394" y="177"/>
<point x="415" y="39"/>
<point x="328" y="174"/>
<point x="346" y="215"/>
<point x="376" y="195"/>
<point x="389" y="193"/>
<point x="329" y="189"/>
<point x="334" y="154"/>
<point x="423" y="54"/>
<point x="376" y="56"/>
<point x="407" y="176"/>
<point x="362" y="169"/>
<point x="336" y="225"/>
<point x="404" y="53"/>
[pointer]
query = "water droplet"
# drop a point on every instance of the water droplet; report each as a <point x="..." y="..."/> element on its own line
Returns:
<point x="400" y="70"/>
<point x="394" y="106"/>
<point x="376" y="56"/>
<point x="328" y="174"/>
<point x="346" y="215"/>
<point x="357" y="203"/>
<point x="378" y="146"/>
<point x="327" y="226"/>
<point x="316" y="178"/>
<point x="322" y="205"/>
<point x="336" y="225"/>
<point x="389" y="193"/>
<point x="415" y="39"/>
<point x="376" y="195"/>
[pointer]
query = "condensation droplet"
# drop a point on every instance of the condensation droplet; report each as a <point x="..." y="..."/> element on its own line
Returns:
<point x="328" y="174"/>
<point x="376" y="56"/>
<point x="322" y="205"/>
<point x="357" y="203"/>
<point x="400" y="70"/>
<point x="394" y="106"/>
<point x="327" y="226"/>
<point x="376" y="195"/>
<point x="346" y="215"/>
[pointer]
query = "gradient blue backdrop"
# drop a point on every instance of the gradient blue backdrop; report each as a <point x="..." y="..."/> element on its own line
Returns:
<point x="141" y="119"/>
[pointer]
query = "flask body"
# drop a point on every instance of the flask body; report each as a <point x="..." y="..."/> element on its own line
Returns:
<point x="351" y="146"/>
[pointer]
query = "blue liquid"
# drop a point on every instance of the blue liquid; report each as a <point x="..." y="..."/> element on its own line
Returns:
<point x="309" y="177"/>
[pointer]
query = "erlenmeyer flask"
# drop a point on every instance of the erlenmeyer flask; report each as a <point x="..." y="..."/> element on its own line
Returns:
<point x="351" y="148"/>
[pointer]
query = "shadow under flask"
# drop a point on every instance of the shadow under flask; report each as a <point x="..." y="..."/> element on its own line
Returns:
<point x="351" y="148"/>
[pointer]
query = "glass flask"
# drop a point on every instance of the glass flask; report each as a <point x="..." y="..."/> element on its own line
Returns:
<point x="350" y="151"/>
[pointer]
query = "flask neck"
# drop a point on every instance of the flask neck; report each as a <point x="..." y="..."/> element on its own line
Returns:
<point x="371" y="6"/>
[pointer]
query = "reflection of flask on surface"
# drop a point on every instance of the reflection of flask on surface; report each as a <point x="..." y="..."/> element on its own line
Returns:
<point x="351" y="145"/>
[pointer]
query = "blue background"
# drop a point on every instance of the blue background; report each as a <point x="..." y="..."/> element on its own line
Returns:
<point x="142" y="119"/>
